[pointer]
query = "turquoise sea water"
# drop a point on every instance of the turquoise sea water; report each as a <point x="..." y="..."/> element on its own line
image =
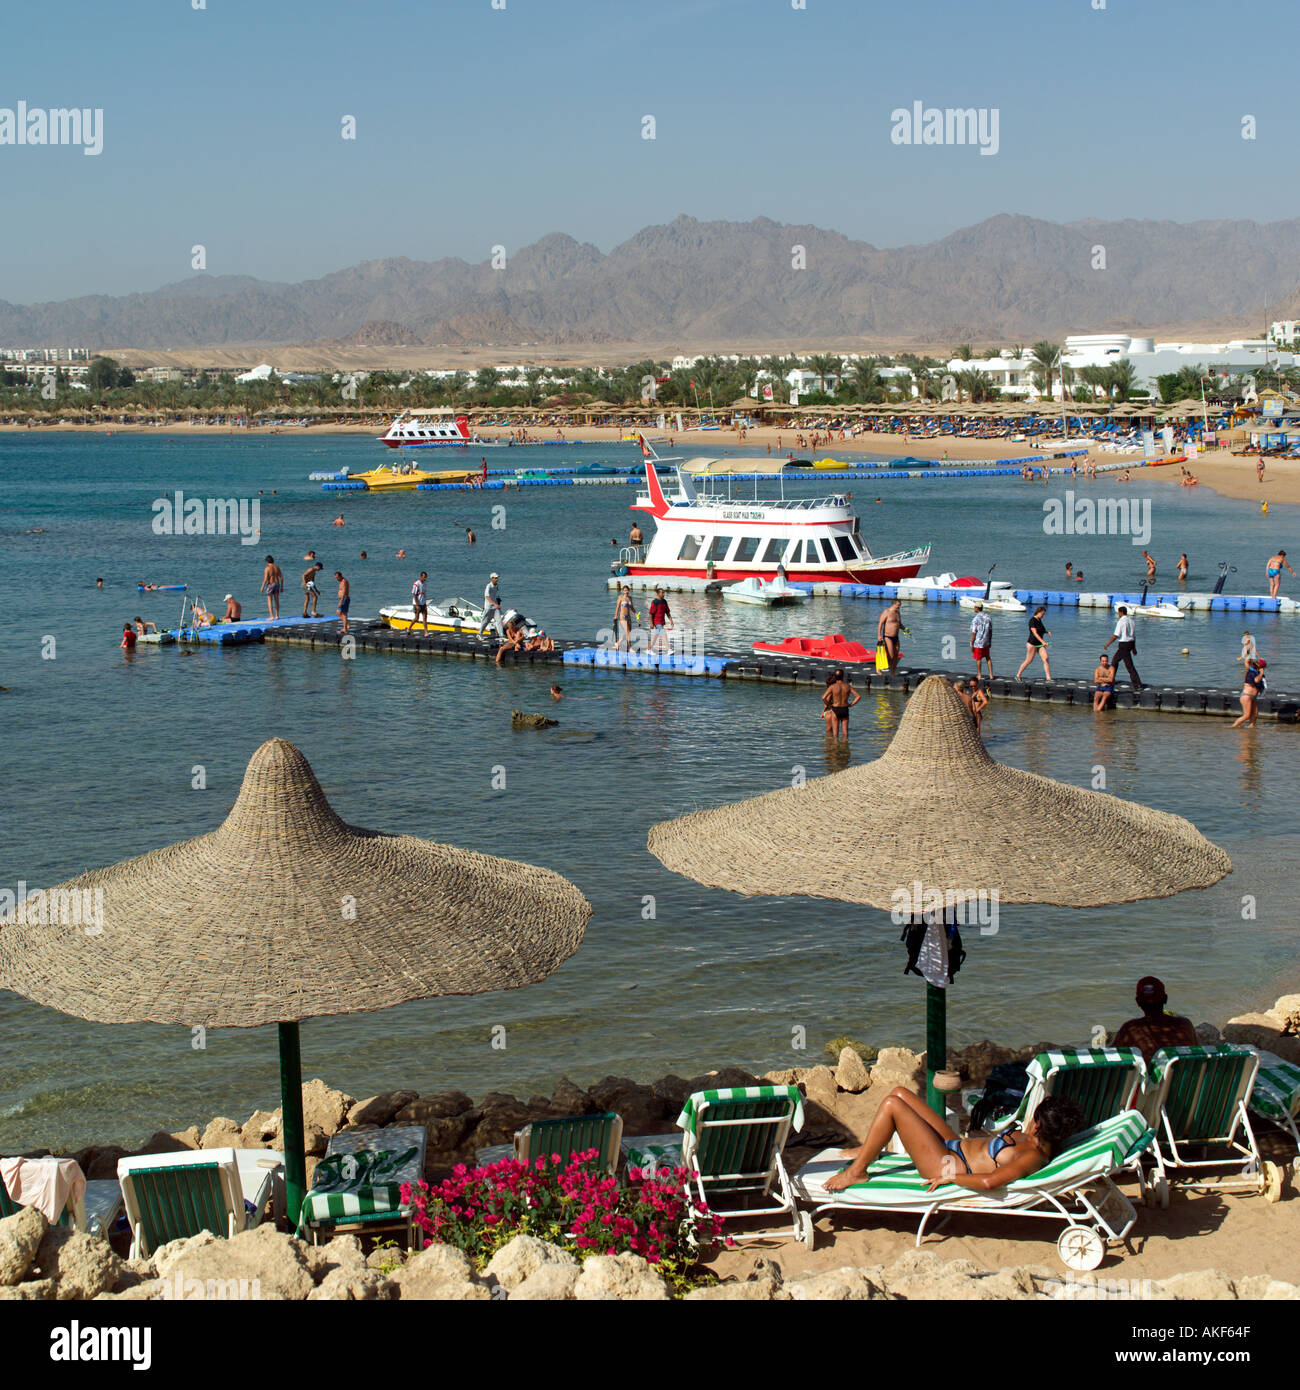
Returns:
<point x="99" y="751"/>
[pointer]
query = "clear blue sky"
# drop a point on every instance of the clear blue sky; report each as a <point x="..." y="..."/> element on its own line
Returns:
<point x="478" y="126"/>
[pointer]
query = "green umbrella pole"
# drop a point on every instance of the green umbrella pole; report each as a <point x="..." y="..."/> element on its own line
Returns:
<point x="295" y="1154"/>
<point x="936" y="1043"/>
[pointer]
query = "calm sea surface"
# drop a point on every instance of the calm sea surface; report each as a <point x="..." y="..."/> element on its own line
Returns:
<point x="99" y="752"/>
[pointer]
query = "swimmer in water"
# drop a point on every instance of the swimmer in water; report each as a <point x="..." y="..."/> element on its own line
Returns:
<point x="338" y="520"/>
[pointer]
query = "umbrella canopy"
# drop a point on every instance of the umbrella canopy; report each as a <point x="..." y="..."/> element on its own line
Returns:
<point x="286" y="912"/>
<point x="935" y="807"/>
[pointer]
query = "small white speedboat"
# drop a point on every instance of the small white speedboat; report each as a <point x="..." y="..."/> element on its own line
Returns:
<point x="767" y="592"/>
<point x="997" y="602"/>
<point x="1150" y="610"/>
<point x="964" y="583"/>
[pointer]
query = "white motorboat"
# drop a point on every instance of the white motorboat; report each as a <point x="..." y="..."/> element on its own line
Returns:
<point x="964" y="583"/>
<point x="449" y="615"/>
<point x="1150" y="610"/>
<point x="997" y="602"/>
<point x="768" y="592"/>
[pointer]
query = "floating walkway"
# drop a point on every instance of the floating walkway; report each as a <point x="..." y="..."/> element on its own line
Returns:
<point x="500" y="479"/>
<point x="1062" y="598"/>
<point x="238" y="634"/>
<point x="771" y="668"/>
<point x="1066" y="598"/>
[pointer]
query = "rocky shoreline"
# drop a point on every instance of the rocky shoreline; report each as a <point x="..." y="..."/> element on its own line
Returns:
<point x="42" y="1262"/>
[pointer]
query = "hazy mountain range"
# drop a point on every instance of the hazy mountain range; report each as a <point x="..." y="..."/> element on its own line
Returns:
<point x="1007" y="278"/>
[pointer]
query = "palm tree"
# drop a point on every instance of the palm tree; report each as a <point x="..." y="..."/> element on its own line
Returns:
<point x="1096" y="378"/>
<point x="866" y="379"/>
<point x="1190" y="381"/>
<point x="487" y="379"/>
<point x="826" y="364"/>
<point x="980" y="385"/>
<point x="1121" y="378"/>
<point x="1045" y="358"/>
<point x="963" y="352"/>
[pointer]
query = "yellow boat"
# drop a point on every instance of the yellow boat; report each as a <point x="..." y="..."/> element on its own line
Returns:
<point x="401" y="478"/>
<point x="828" y="464"/>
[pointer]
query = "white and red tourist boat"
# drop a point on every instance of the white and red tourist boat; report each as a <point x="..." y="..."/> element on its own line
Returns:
<point x="428" y="429"/>
<point x="710" y="536"/>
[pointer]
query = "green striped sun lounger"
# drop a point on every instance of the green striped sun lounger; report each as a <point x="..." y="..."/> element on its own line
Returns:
<point x="731" y="1145"/>
<point x="1101" y="1081"/>
<point x="169" y="1196"/>
<point x="1198" y="1097"/>
<point x="1276" y="1095"/>
<point x="359" y="1181"/>
<point x="1076" y="1187"/>
<point x="561" y="1138"/>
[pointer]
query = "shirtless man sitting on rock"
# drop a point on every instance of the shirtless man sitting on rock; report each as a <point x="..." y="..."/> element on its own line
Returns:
<point x="1156" y="1028"/>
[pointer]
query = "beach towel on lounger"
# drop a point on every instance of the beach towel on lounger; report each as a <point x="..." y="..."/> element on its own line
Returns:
<point x="360" y="1179"/>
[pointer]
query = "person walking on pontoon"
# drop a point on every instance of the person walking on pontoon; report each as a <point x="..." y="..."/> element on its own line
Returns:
<point x="491" y="606"/>
<point x="1273" y="570"/>
<point x="624" y="612"/>
<point x="272" y="585"/>
<point x="1036" y="646"/>
<point x="981" y="640"/>
<point x="1126" y="636"/>
<point x="420" y="602"/>
<point x="887" y="630"/>
<point x="311" y="591"/>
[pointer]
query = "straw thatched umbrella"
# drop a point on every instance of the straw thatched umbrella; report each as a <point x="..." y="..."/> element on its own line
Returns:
<point x="936" y="814"/>
<point x="286" y="912"/>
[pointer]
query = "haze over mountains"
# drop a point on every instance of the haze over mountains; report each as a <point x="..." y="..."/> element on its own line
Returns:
<point x="1007" y="278"/>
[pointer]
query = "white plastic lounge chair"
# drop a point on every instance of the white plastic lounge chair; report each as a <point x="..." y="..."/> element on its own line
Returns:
<point x="564" y="1136"/>
<point x="94" y="1213"/>
<point x="1101" y="1081"/>
<point x="1077" y="1186"/>
<point x="359" y="1181"/>
<point x="168" y="1196"/>
<point x="732" y="1144"/>
<point x="1197" y="1100"/>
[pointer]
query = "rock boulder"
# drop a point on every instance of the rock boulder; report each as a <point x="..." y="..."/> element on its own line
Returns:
<point x="524" y="1256"/>
<point x="851" y="1072"/>
<point x="20" y="1239"/>
<point x="624" y="1276"/>
<point x="222" y="1133"/>
<point x="324" y="1108"/>
<point x="261" y="1263"/>
<point x="81" y="1265"/>
<point x="379" y="1110"/>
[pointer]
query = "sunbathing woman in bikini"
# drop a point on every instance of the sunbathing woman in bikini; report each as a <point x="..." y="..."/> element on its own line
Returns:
<point x="940" y="1156"/>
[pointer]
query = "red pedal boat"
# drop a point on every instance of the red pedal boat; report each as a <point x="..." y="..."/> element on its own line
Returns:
<point x="831" y="648"/>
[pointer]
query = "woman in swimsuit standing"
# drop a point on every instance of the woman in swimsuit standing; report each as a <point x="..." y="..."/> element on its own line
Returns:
<point x="1251" y="686"/>
<point x="623" y="619"/>
<point x="940" y="1156"/>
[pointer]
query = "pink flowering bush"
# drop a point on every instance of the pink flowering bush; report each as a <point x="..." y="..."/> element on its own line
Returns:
<point x="479" y="1209"/>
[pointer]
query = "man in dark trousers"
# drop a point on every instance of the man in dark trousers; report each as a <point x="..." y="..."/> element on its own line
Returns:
<point x="1125" y="635"/>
